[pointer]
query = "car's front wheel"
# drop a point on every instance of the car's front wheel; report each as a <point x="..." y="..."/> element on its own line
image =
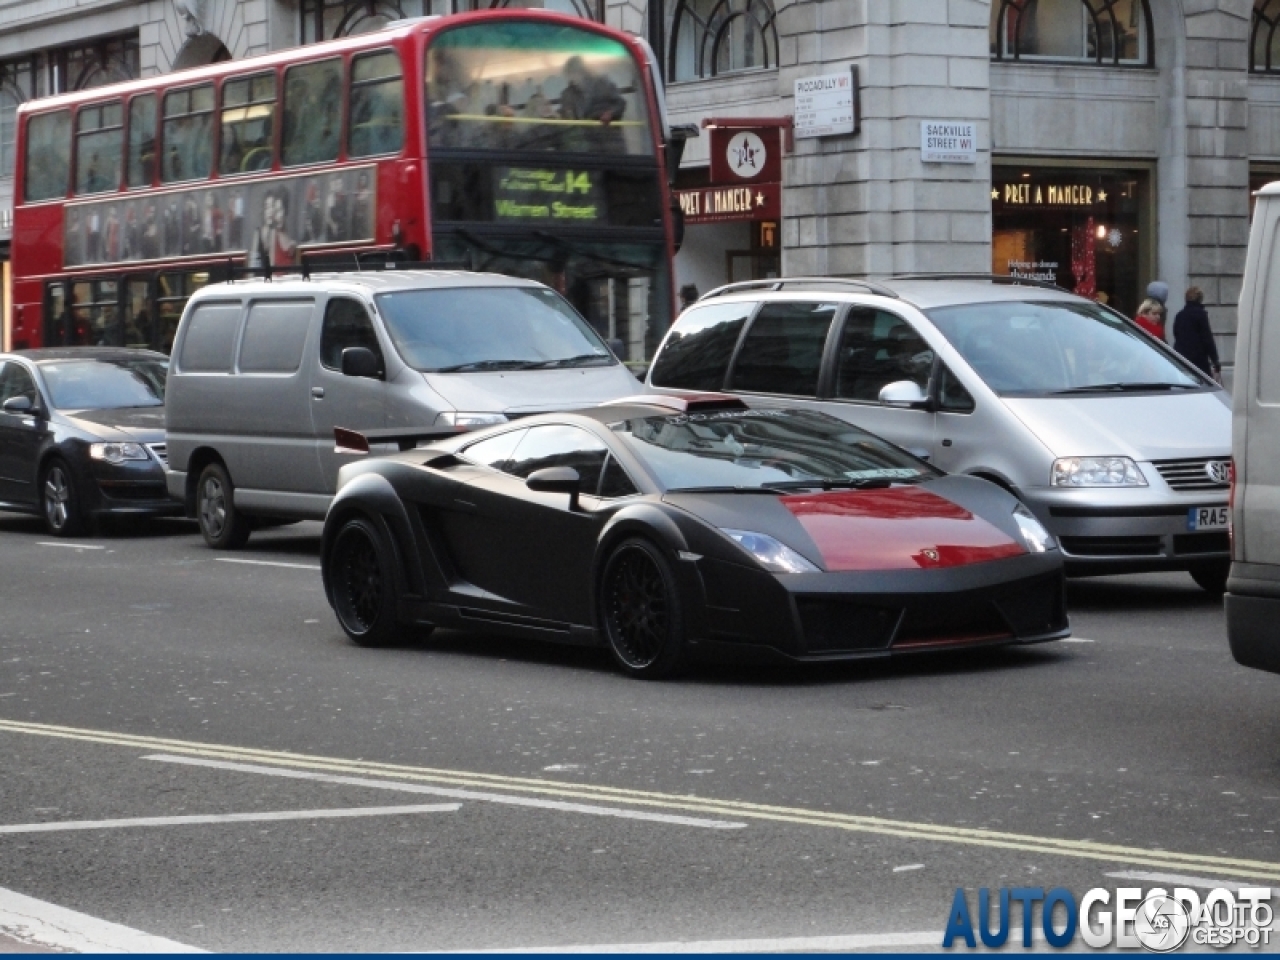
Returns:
<point x="362" y="584"/>
<point x="1212" y="577"/>
<point x="222" y="525"/>
<point x="640" y="611"/>
<point x="59" y="503"/>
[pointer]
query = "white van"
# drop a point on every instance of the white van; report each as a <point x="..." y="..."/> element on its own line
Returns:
<point x="1253" y="589"/>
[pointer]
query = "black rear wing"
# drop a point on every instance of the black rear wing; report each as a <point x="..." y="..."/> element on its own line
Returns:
<point x="357" y="442"/>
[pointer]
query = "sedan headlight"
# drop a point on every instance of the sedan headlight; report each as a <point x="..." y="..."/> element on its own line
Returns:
<point x="458" y="418"/>
<point x="774" y="556"/>
<point x="117" y="452"/>
<point x="1096" y="472"/>
<point x="1036" y="538"/>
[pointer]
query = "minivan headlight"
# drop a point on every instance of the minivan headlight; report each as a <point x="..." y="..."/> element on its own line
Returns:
<point x="117" y="452"/>
<point x="460" y="418"/>
<point x="1034" y="535"/>
<point x="1096" y="472"/>
<point x="773" y="555"/>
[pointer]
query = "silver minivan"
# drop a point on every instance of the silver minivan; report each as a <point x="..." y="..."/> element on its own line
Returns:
<point x="1119" y="446"/>
<point x="263" y="371"/>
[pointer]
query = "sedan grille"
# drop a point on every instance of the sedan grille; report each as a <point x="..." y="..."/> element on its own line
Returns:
<point x="161" y="452"/>
<point x="1198" y="473"/>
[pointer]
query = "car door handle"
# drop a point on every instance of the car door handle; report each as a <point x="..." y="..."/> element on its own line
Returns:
<point x="318" y="392"/>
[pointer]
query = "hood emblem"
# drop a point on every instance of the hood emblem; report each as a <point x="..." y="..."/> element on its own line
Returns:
<point x="1219" y="471"/>
<point x="930" y="554"/>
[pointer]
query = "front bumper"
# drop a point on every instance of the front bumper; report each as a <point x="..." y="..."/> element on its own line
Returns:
<point x="133" y="487"/>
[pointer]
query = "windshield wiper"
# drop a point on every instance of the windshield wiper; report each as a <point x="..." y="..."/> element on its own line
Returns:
<point x="490" y="365"/>
<point x="721" y="490"/>
<point x="834" y="483"/>
<point x="1127" y="387"/>
<point x="582" y="360"/>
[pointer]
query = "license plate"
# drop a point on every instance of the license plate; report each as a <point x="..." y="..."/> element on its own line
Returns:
<point x="1207" y="518"/>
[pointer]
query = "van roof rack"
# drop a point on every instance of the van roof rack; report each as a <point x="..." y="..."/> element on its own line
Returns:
<point x="1000" y="278"/>
<point x="230" y="270"/>
<point x="784" y="283"/>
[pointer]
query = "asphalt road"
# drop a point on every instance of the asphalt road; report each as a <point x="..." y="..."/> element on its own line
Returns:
<point x="554" y="803"/>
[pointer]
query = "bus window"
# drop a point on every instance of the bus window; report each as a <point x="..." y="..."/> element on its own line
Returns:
<point x="312" y="112"/>
<point x="142" y="140"/>
<point x="99" y="145"/>
<point x="137" y="315"/>
<point x="248" y="119"/>
<point x="173" y="290"/>
<point x="48" y="156"/>
<point x="95" y="313"/>
<point x="56" y="318"/>
<point x="188" y="134"/>
<point x="377" y="105"/>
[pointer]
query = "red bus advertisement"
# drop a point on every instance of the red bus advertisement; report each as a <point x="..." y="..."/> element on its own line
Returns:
<point x="520" y="142"/>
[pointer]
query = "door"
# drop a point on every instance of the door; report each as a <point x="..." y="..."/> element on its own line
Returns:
<point x="959" y="430"/>
<point x="357" y="403"/>
<point x="20" y="436"/>
<point x="780" y="358"/>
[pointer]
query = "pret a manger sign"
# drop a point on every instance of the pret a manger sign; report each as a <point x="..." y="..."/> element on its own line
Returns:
<point x="1052" y="195"/>
<point x="711" y="204"/>
<point x="948" y="141"/>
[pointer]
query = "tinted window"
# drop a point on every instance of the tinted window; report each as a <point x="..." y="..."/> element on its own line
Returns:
<point x="782" y="352"/>
<point x="48" y="155"/>
<point x="15" y="381"/>
<point x="188" y="134"/>
<point x="105" y="385"/>
<point x="377" y="105"/>
<point x="614" y="481"/>
<point x="346" y="324"/>
<point x="952" y="396"/>
<point x="248" y="119"/>
<point x="496" y="451"/>
<point x="697" y="351"/>
<point x="274" y="335"/>
<point x="561" y="446"/>
<point x="99" y="147"/>
<point x="210" y="338"/>
<point x="879" y="348"/>
<point x="312" y="112"/>
<point x="142" y="140"/>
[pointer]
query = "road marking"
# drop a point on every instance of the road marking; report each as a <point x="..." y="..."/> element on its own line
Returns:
<point x="459" y="794"/>
<point x="61" y="825"/>
<point x="72" y="546"/>
<point x="48" y="925"/>
<point x="1075" y="640"/>
<point x="270" y="563"/>
<point x="837" y="944"/>
<point x="1175" y="879"/>
<point x="935" y="833"/>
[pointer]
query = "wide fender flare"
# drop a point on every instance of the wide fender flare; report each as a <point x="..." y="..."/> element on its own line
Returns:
<point x="659" y="527"/>
<point x="373" y="497"/>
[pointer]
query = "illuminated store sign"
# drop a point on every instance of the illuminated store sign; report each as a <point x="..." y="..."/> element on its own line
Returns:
<point x="763" y="201"/>
<point x="1048" y="194"/>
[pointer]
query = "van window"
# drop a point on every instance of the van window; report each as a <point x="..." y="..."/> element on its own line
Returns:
<point x="274" y="334"/>
<point x="210" y="338"/>
<point x="782" y="352"/>
<point x="377" y="105"/>
<point x="952" y="396"/>
<point x="1268" y="360"/>
<point x="48" y="156"/>
<point x="346" y="324"/>
<point x="312" y="112"/>
<point x="696" y="353"/>
<point x="878" y="348"/>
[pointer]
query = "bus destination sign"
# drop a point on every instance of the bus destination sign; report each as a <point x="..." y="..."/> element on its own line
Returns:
<point x="532" y="194"/>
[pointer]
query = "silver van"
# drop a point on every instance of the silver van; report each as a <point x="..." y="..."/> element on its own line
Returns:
<point x="1253" y="590"/>
<point x="1119" y="446"/>
<point x="263" y="371"/>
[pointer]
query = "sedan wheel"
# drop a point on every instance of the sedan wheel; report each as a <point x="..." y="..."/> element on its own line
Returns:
<point x="362" y="585"/>
<point x="640" y="611"/>
<point x="58" y="501"/>
<point x="223" y="526"/>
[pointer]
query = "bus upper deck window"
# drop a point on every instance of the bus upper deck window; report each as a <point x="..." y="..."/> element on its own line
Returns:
<point x="312" y="113"/>
<point x="377" y="105"/>
<point x="248" y="122"/>
<point x="142" y="140"/>
<point x="99" y="147"/>
<point x="188" y="134"/>
<point x="48" y="156"/>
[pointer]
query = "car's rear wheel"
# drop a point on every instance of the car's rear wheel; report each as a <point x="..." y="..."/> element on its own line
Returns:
<point x="59" y="504"/>
<point x="1212" y="577"/>
<point x="363" y="585"/>
<point x="640" y="611"/>
<point x="223" y="526"/>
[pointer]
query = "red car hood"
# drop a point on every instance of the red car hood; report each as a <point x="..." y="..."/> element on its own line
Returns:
<point x="899" y="528"/>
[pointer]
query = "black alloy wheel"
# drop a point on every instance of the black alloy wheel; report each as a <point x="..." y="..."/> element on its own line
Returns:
<point x="362" y="585"/>
<point x="223" y="526"/>
<point x="1211" y="577"/>
<point x="59" y="503"/>
<point x="640" y="611"/>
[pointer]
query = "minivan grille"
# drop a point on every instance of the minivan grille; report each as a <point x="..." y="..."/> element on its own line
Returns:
<point x="161" y="451"/>
<point x="1193" y="474"/>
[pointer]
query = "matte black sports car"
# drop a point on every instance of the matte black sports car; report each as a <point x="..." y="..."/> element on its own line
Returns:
<point x="664" y="527"/>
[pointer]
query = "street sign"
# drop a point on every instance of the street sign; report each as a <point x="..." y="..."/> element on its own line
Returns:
<point x="827" y="105"/>
<point x="948" y="141"/>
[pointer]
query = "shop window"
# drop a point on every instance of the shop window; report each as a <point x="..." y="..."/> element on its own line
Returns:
<point x="712" y="37"/>
<point x="782" y="351"/>
<point x="1111" y="32"/>
<point x="188" y="134"/>
<point x="1264" y="37"/>
<point x="48" y="156"/>
<point x="377" y="105"/>
<point x="312" y="113"/>
<point x="142" y="140"/>
<point x="878" y="348"/>
<point x="99" y="147"/>
<point x="329" y="19"/>
<point x="248" y="122"/>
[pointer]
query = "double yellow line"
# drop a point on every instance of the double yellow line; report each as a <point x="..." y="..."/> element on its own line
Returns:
<point x="1081" y="849"/>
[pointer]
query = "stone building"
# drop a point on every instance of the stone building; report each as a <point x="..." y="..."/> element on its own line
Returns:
<point x="1116" y="140"/>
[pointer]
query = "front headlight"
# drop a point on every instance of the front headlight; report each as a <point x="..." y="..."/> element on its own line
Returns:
<point x="1096" y="472"/>
<point x="774" y="556"/>
<point x="458" y="418"/>
<point x="117" y="452"/>
<point x="1036" y="538"/>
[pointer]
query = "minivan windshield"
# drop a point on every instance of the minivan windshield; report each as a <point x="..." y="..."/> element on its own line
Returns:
<point x="105" y="384"/>
<point x="1048" y="348"/>
<point x="464" y="329"/>
<point x="765" y="450"/>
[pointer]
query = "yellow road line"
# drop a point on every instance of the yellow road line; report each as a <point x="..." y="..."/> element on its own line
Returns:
<point x="1082" y="849"/>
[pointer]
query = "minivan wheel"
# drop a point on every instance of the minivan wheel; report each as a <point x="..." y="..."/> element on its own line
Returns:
<point x="1212" y="576"/>
<point x="223" y="526"/>
<point x="640" y="611"/>
<point x="362" y="585"/>
<point x="59" y="503"/>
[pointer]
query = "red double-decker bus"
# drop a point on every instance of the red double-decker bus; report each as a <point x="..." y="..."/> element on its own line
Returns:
<point x="516" y="141"/>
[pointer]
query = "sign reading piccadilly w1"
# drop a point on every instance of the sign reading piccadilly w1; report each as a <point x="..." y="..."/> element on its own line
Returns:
<point x="761" y="201"/>
<point x="827" y="105"/>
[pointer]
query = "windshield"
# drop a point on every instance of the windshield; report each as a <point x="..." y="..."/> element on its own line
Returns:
<point x="754" y="449"/>
<point x="105" y="384"/>
<point x="1054" y="347"/>
<point x="489" y="328"/>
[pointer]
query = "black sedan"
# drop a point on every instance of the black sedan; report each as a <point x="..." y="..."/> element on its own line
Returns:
<point x="82" y="434"/>
<point x="665" y="527"/>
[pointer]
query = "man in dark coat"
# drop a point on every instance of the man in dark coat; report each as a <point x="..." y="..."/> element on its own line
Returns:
<point x="1192" y="336"/>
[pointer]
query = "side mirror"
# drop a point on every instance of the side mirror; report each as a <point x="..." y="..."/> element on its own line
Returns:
<point x="19" y="405"/>
<point x="902" y="393"/>
<point x="360" y="362"/>
<point x="556" y="480"/>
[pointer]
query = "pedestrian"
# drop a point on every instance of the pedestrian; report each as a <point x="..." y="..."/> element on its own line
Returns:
<point x="688" y="296"/>
<point x="1152" y="313"/>
<point x="1192" y="336"/>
